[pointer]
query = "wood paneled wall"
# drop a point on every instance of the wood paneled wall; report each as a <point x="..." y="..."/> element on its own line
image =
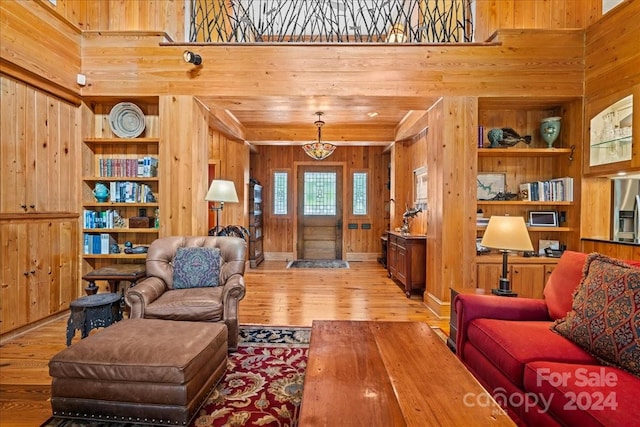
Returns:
<point x="142" y="15"/>
<point x="183" y="167"/>
<point x="278" y="230"/>
<point x="612" y="54"/>
<point x="511" y="69"/>
<point x="39" y="154"/>
<point x="39" y="48"/>
<point x="232" y="160"/>
<point x="612" y="71"/>
<point x="491" y="15"/>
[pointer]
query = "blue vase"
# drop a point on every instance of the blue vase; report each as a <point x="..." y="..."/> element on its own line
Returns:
<point x="550" y="129"/>
<point x="101" y="192"/>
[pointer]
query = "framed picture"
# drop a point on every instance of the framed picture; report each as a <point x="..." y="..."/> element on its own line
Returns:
<point x="490" y="184"/>
<point x="420" y="179"/>
<point x="544" y="244"/>
<point x="543" y="219"/>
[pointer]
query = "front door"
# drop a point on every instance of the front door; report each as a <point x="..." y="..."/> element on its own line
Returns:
<point x="320" y="212"/>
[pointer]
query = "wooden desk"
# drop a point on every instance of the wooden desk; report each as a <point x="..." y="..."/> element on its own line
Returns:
<point x="389" y="374"/>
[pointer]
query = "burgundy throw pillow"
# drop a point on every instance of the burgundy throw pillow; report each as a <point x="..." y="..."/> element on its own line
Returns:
<point x="562" y="283"/>
<point x="605" y="316"/>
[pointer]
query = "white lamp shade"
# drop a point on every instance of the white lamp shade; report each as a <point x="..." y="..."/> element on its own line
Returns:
<point x="222" y="191"/>
<point x="507" y="233"/>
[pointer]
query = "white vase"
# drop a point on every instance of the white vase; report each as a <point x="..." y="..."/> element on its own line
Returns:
<point x="550" y="129"/>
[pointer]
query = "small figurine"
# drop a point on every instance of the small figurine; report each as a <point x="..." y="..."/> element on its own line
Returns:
<point x="506" y="137"/>
<point x="407" y="216"/>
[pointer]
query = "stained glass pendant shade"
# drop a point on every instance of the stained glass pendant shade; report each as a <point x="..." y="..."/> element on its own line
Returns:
<point x="319" y="150"/>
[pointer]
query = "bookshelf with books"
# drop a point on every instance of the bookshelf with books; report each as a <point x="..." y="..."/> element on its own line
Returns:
<point x="535" y="179"/>
<point x="120" y="187"/>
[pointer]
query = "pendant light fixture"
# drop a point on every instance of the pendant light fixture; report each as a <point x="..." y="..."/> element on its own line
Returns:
<point x="319" y="150"/>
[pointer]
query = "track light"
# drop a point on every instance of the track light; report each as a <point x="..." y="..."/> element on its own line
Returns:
<point x="192" y="58"/>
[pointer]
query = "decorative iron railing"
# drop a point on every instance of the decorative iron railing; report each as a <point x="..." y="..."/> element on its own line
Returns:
<point x="331" y="21"/>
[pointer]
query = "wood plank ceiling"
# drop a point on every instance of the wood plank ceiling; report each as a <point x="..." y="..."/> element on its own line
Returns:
<point x="289" y="120"/>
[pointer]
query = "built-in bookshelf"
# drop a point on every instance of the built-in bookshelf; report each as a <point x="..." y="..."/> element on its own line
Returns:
<point x="132" y="193"/>
<point x="120" y="188"/>
<point x="538" y="181"/>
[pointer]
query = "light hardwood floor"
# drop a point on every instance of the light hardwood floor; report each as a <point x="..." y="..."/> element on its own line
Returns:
<point x="275" y="296"/>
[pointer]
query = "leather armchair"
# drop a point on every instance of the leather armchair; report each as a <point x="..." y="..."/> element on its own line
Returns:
<point x="155" y="297"/>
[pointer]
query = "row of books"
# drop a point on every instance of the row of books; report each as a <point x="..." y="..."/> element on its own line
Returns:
<point x="130" y="192"/>
<point x="109" y="218"/>
<point x="553" y="190"/>
<point x="146" y="166"/>
<point x="97" y="244"/>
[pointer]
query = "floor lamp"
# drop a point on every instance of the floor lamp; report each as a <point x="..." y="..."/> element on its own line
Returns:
<point x="506" y="233"/>
<point x="221" y="191"/>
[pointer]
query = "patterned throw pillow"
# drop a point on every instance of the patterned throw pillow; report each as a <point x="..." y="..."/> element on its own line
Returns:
<point x="605" y="319"/>
<point x="196" y="267"/>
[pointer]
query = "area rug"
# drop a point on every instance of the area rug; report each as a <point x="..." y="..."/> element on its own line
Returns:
<point x="262" y="387"/>
<point x="309" y="263"/>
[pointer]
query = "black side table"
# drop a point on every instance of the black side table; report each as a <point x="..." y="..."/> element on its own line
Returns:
<point x="93" y="311"/>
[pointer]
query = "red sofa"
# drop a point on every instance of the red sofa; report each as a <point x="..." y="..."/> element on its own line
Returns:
<point x="540" y="377"/>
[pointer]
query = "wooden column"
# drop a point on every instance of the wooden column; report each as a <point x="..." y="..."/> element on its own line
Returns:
<point x="183" y="167"/>
<point x="451" y="158"/>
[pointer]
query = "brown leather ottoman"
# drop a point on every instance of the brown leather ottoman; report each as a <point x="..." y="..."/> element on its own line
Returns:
<point x="140" y="370"/>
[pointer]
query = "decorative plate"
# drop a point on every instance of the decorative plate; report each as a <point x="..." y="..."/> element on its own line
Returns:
<point x="126" y="120"/>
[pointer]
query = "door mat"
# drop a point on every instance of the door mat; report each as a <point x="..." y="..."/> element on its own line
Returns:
<point x="320" y="263"/>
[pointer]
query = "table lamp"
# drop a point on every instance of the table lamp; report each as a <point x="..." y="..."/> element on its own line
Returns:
<point x="506" y="233"/>
<point x="221" y="191"/>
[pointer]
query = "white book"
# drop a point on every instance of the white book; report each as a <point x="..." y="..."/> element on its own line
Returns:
<point x="104" y="243"/>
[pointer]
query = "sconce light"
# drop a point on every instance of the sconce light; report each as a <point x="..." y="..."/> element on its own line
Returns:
<point x="192" y="58"/>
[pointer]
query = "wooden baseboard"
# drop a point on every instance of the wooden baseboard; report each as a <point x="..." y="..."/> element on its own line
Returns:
<point x="362" y="256"/>
<point x="440" y="308"/>
<point x="278" y="256"/>
<point x="351" y="256"/>
<point x="31" y="326"/>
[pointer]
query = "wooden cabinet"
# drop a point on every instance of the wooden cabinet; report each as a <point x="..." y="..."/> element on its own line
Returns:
<point x="406" y="260"/>
<point x="38" y="154"/>
<point x="256" y="254"/>
<point x="528" y="276"/>
<point x="39" y="271"/>
<point x="128" y="167"/>
<point x="39" y="230"/>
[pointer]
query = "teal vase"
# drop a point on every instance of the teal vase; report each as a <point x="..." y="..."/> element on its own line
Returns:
<point x="550" y="129"/>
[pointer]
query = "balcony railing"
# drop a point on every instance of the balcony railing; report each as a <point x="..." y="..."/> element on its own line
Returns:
<point x="330" y="21"/>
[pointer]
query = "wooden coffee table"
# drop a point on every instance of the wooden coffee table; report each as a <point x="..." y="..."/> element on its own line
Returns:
<point x="390" y="374"/>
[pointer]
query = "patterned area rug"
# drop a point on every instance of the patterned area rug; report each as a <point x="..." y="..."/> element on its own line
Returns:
<point x="309" y="263"/>
<point x="262" y="387"/>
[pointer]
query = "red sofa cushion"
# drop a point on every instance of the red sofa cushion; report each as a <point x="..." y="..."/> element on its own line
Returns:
<point x="587" y="395"/>
<point x="510" y="345"/>
<point x="606" y="312"/>
<point x="563" y="281"/>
